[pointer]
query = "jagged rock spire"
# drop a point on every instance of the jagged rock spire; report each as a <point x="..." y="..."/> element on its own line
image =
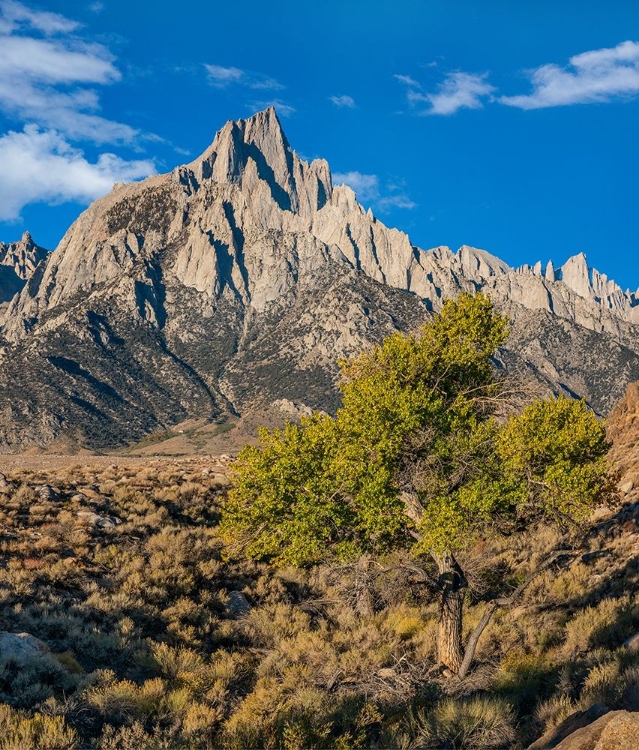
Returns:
<point x="255" y="151"/>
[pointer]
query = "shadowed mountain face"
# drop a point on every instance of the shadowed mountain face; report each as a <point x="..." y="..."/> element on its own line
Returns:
<point x="239" y="279"/>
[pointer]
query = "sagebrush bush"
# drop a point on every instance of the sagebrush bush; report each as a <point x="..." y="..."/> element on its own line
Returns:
<point x="19" y="731"/>
<point x="473" y="724"/>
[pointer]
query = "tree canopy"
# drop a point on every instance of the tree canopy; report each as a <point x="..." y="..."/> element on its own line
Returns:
<point x="416" y="459"/>
<point x="415" y="456"/>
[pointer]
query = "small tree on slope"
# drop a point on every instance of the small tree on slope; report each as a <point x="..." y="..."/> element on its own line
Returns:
<point x="415" y="460"/>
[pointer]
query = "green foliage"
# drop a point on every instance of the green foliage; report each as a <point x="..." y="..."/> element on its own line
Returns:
<point x="416" y="421"/>
<point x="334" y="482"/>
<point x="554" y="456"/>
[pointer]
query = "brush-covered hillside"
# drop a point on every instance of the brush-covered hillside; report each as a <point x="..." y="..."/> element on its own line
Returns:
<point x="143" y="634"/>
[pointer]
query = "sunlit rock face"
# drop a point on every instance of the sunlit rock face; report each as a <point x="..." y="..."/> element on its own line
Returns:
<point x="18" y="261"/>
<point x="239" y="279"/>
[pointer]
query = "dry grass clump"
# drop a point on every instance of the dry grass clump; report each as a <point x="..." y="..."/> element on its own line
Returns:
<point x="475" y="723"/>
<point x="120" y="572"/>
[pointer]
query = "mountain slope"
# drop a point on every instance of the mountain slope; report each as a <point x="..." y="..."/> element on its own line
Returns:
<point x="240" y="278"/>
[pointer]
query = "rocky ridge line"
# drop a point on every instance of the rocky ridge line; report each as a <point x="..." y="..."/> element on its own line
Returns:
<point x="239" y="279"/>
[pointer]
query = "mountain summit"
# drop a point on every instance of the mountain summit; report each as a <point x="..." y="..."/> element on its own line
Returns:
<point x="237" y="280"/>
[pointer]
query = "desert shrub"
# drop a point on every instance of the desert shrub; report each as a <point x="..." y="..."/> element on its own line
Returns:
<point x="525" y="679"/>
<point x="19" y="731"/>
<point x="26" y="684"/>
<point x="606" y="624"/>
<point x="134" y="737"/>
<point x="479" y="722"/>
<point x="550" y="713"/>
<point x="119" y="701"/>
<point x="613" y="681"/>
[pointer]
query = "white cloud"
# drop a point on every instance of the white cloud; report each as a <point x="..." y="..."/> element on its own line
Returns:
<point x="395" y="201"/>
<point x="367" y="189"/>
<point x="56" y="61"/>
<point x="283" y="108"/>
<point x="43" y="166"/>
<point x="48" y="77"/>
<point x="407" y="80"/>
<point x="222" y="77"/>
<point x="96" y="7"/>
<point x="366" y="186"/>
<point x="49" y="80"/>
<point x="458" y="91"/>
<point x="343" y="101"/>
<point x="14" y="14"/>
<point x="595" y="76"/>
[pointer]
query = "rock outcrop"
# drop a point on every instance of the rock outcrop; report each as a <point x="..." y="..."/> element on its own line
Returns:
<point x="238" y="279"/>
<point x="623" y="432"/>
<point x="603" y="730"/>
<point x="18" y="261"/>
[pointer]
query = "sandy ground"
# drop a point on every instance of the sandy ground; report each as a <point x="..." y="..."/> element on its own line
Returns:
<point x="58" y="461"/>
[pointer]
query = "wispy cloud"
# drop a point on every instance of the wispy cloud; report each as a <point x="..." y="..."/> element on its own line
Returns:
<point x="407" y="80"/>
<point x="596" y="76"/>
<point x="222" y="77"/>
<point x="366" y="186"/>
<point x="395" y="201"/>
<point x="343" y="101"/>
<point x="37" y="166"/>
<point x="48" y="80"/>
<point x="96" y="7"/>
<point x="283" y="108"/>
<point x="15" y="15"/>
<point x="457" y="91"/>
<point x="368" y="191"/>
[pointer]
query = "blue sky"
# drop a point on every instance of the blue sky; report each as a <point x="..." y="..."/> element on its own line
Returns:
<point x="510" y="126"/>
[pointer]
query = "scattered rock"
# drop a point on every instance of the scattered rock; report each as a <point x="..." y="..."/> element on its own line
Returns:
<point x="237" y="604"/>
<point x="21" y="647"/>
<point x="47" y="493"/>
<point x="206" y="472"/>
<point x="626" y="487"/>
<point x="570" y="724"/>
<point x="221" y="480"/>
<point x="90" y="518"/>
<point x="632" y="643"/>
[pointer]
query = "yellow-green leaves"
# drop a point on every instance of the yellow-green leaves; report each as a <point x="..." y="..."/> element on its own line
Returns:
<point x="334" y="483"/>
<point x="555" y="452"/>
<point x="416" y="418"/>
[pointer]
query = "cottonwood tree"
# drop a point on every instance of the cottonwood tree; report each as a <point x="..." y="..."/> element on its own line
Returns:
<point x="415" y="460"/>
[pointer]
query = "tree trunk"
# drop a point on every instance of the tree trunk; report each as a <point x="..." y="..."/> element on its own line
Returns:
<point x="452" y="583"/>
<point x="363" y="588"/>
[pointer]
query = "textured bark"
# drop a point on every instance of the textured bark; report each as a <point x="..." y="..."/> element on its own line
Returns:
<point x="453" y="585"/>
